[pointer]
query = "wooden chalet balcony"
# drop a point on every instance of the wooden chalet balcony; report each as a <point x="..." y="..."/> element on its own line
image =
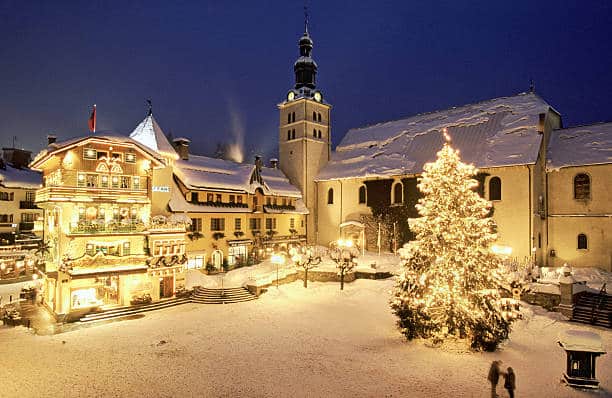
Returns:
<point x="26" y="204"/>
<point x="84" y="194"/>
<point x="93" y="228"/>
<point x="26" y="226"/>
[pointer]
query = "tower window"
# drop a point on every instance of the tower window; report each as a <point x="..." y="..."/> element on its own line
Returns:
<point x="495" y="188"/>
<point x="288" y="135"/>
<point x="292" y="117"/>
<point x="582" y="187"/>
<point x="318" y="117"/>
<point x="319" y="133"/>
<point x="398" y="194"/>
<point x="582" y="242"/>
<point x="288" y="118"/>
<point x="362" y="194"/>
<point x="293" y="134"/>
<point x="330" y="196"/>
<point x="314" y="133"/>
<point x="314" y="116"/>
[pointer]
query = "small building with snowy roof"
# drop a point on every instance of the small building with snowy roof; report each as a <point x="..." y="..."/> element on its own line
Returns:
<point x="579" y="178"/>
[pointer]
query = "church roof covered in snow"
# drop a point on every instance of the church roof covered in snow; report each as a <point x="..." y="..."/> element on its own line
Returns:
<point x="201" y="172"/>
<point x="11" y="177"/>
<point x="497" y="132"/>
<point x="149" y="134"/>
<point x="579" y="146"/>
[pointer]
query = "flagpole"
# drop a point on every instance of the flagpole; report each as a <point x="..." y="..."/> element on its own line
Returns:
<point x="94" y="121"/>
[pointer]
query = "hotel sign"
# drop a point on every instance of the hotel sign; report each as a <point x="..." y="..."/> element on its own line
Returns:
<point x="161" y="189"/>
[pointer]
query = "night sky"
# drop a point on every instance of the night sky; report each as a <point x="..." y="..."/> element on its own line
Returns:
<point x="217" y="71"/>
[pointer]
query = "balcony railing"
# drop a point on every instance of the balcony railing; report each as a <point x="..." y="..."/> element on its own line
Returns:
<point x="119" y="227"/>
<point x="26" y="204"/>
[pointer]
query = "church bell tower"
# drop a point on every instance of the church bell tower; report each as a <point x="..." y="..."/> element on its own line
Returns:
<point x="304" y="129"/>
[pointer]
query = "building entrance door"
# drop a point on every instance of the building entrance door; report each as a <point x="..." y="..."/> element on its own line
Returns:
<point x="166" y="287"/>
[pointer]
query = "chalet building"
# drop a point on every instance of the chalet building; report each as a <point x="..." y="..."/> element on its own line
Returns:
<point x="107" y="244"/>
<point x="238" y="212"/>
<point x="548" y="210"/>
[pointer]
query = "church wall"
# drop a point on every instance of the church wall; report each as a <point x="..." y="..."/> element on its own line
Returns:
<point x="511" y="213"/>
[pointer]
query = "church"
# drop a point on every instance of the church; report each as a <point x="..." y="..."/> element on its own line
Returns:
<point x="549" y="185"/>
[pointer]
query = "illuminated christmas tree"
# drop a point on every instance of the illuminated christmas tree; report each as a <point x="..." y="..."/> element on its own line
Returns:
<point x="449" y="283"/>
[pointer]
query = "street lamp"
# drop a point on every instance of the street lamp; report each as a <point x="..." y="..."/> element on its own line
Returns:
<point x="343" y="252"/>
<point x="279" y="260"/>
<point x="307" y="258"/>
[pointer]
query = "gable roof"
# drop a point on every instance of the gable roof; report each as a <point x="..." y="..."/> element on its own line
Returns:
<point x="497" y="132"/>
<point x="149" y="134"/>
<point x="11" y="177"/>
<point x="580" y="146"/>
<point x="102" y="137"/>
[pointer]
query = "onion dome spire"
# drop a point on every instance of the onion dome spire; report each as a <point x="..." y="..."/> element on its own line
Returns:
<point x="305" y="67"/>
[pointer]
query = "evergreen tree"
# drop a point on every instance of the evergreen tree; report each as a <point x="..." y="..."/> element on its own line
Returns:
<point x="449" y="282"/>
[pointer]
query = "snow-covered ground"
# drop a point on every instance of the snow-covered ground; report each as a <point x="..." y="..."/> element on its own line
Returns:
<point x="315" y="342"/>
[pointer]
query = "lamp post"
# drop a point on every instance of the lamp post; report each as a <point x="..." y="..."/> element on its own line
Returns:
<point x="278" y="259"/>
<point x="343" y="252"/>
<point x="307" y="258"/>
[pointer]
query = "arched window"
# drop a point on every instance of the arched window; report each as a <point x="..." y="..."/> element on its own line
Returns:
<point x="318" y="117"/>
<point x="293" y="134"/>
<point x="288" y="118"/>
<point x="330" y="196"/>
<point x="293" y="117"/>
<point x="319" y="133"/>
<point x="582" y="241"/>
<point x="314" y="116"/>
<point x="362" y="194"/>
<point x="314" y="133"/>
<point x="288" y="135"/>
<point x="582" y="186"/>
<point x="398" y="194"/>
<point x="495" y="188"/>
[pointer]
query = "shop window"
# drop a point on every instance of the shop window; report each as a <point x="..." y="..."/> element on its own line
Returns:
<point x="330" y="196"/>
<point x="495" y="188"/>
<point x="362" y="194"/>
<point x="582" y="187"/>
<point x="398" y="193"/>
<point x="582" y="242"/>
<point x="217" y="224"/>
<point x="237" y="224"/>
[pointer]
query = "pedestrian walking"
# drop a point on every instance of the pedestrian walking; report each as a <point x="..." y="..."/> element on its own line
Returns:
<point x="510" y="382"/>
<point x="493" y="377"/>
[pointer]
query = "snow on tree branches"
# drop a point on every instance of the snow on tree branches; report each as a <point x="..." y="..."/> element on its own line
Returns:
<point x="449" y="284"/>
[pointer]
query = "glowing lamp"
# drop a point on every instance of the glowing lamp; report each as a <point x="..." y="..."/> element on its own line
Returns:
<point x="278" y="259"/>
<point x="501" y="250"/>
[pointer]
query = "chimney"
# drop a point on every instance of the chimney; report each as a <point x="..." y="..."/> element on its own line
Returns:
<point x="274" y="163"/>
<point x="258" y="162"/>
<point x="51" y="138"/>
<point x="181" y="145"/>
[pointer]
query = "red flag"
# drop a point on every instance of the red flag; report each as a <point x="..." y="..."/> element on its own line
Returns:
<point x="92" y="120"/>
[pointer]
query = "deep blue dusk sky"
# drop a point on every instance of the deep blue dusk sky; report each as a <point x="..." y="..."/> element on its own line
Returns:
<point x="217" y="69"/>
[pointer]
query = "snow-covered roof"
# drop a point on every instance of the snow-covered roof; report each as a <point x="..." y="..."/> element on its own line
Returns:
<point x="149" y="134"/>
<point x="581" y="340"/>
<point x="102" y="136"/>
<point x="579" y="146"/>
<point x="201" y="172"/>
<point x="179" y="204"/>
<point x="278" y="184"/>
<point x="492" y="133"/>
<point x="11" y="177"/>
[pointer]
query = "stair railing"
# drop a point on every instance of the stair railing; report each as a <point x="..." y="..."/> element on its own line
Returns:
<point x="598" y="303"/>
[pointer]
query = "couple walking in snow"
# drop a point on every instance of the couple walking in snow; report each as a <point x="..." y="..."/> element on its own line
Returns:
<point x="509" y="379"/>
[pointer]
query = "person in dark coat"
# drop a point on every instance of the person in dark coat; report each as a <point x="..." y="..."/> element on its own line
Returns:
<point x="510" y="382"/>
<point x="493" y="377"/>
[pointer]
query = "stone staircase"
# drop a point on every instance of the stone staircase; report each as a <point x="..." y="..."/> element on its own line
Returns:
<point x="594" y="309"/>
<point x="121" y="312"/>
<point x="206" y="295"/>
